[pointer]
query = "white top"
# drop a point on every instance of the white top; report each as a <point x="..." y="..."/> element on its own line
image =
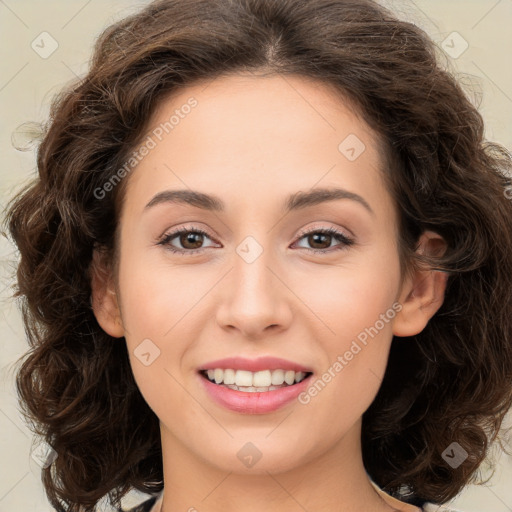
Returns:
<point x="431" y="507"/>
<point x="427" y="507"/>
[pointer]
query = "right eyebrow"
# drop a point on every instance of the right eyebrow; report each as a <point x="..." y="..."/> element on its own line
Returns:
<point x="295" y="201"/>
<point x="191" y="197"/>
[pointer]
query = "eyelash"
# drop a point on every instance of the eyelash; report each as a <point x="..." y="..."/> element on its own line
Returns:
<point x="346" y="241"/>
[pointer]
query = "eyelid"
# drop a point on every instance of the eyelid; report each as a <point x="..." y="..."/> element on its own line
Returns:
<point x="168" y="236"/>
<point x="332" y="229"/>
<point x="347" y="240"/>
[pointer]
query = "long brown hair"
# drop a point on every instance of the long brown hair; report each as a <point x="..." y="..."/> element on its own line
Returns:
<point x="450" y="383"/>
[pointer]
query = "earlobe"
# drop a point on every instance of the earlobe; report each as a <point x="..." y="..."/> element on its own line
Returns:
<point x="103" y="296"/>
<point x="423" y="292"/>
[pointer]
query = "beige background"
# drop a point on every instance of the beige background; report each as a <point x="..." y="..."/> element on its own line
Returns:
<point x="28" y="82"/>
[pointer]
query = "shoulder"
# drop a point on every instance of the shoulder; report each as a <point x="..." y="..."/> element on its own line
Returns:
<point x="145" y="506"/>
<point x="431" y="507"/>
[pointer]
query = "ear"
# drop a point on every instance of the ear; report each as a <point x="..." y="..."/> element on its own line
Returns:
<point x="103" y="297"/>
<point x="422" y="293"/>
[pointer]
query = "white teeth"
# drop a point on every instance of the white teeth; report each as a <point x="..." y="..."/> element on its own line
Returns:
<point x="277" y="377"/>
<point x="243" y="378"/>
<point x="229" y="377"/>
<point x="256" y="380"/>
<point x="252" y="389"/>
<point x="289" y="377"/>
<point x="261" y="379"/>
<point x="218" y="375"/>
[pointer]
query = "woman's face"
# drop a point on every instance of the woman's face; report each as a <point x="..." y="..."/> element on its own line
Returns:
<point x="253" y="285"/>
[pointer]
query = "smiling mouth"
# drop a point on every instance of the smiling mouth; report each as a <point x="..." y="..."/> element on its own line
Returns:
<point x="254" y="382"/>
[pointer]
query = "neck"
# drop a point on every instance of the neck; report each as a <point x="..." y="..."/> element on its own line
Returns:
<point x="332" y="479"/>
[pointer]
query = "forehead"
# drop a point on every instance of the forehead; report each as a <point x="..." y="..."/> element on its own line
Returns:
<point x="245" y="133"/>
<point x="247" y="104"/>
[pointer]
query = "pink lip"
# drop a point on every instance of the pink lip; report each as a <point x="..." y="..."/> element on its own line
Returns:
<point x="255" y="365"/>
<point x="253" y="403"/>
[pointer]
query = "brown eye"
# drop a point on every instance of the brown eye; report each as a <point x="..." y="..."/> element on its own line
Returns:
<point x="191" y="240"/>
<point x="318" y="240"/>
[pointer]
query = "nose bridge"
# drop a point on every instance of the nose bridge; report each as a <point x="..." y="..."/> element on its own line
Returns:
<point x="255" y="299"/>
<point x="253" y="281"/>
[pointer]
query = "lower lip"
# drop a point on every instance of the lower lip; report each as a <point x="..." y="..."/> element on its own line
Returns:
<point x="257" y="402"/>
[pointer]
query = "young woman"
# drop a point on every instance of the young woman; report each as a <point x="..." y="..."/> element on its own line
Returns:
<point x="265" y="266"/>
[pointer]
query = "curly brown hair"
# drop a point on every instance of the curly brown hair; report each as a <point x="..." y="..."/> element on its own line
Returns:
<point x="451" y="382"/>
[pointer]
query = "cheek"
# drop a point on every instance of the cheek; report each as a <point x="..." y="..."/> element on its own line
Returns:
<point x="156" y="296"/>
<point x="357" y="306"/>
<point x="352" y="296"/>
<point x="159" y="298"/>
<point x="161" y="303"/>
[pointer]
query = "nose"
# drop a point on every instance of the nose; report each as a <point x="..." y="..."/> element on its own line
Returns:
<point x="255" y="299"/>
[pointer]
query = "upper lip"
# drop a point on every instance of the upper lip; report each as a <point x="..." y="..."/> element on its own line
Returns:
<point x="255" y="365"/>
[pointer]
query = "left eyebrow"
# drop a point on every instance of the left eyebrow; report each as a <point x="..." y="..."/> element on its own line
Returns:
<point x="295" y="201"/>
<point x="321" y="195"/>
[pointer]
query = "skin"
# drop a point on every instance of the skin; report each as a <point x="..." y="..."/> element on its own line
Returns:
<point x="252" y="141"/>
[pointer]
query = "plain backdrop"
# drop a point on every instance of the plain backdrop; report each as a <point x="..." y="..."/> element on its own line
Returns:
<point x="478" y="53"/>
